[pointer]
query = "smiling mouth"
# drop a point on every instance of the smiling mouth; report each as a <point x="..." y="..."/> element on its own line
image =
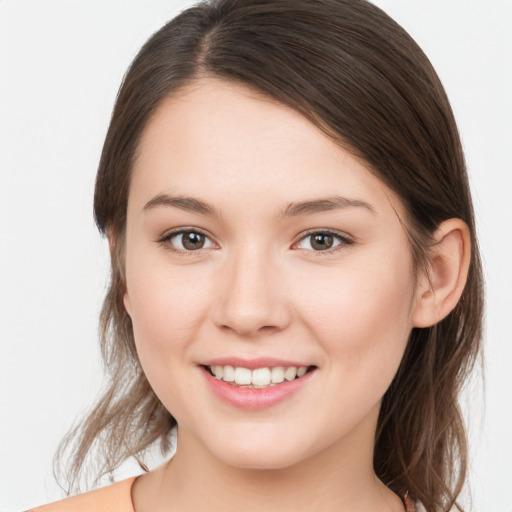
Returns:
<point x="259" y="377"/>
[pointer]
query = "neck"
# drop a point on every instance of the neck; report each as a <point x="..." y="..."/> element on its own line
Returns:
<point x="341" y="479"/>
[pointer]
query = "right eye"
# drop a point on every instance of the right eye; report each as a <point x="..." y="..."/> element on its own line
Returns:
<point x="187" y="241"/>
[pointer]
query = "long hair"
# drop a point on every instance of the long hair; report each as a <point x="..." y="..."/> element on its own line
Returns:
<point x="357" y="75"/>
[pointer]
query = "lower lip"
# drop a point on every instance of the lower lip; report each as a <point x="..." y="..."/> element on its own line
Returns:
<point x="255" y="398"/>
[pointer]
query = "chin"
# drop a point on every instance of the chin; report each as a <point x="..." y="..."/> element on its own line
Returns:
<point x="263" y="461"/>
<point x="273" y="454"/>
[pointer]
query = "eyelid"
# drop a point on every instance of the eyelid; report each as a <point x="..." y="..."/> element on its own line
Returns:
<point x="165" y="240"/>
<point x="345" y="240"/>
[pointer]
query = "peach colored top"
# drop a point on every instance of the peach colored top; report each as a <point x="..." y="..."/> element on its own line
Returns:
<point x="112" y="498"/>
<point x="117" y="498"/>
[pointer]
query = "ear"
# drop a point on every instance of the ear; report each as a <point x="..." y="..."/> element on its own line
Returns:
<point x="448" y="265"/>
<point x="127" y="303"/>
<point x="113" y="242"/>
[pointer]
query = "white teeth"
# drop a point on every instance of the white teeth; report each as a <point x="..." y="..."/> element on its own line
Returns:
<point x="302" y="371"/>
<point x="243" y="376"/>
<point x="290" y="373"/>
<point x="259" y="377"/>
<point x="277" y="375"/>
<point x="228" y="374"/>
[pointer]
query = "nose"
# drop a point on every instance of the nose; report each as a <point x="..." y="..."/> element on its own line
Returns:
<point x="252" y="298"/>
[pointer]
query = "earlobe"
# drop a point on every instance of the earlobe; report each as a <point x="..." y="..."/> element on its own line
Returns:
<point x="115" y="258"/>
<point x="127" y="303"/>
<point x="111" y="242"/>
<point x="448" y="264"/>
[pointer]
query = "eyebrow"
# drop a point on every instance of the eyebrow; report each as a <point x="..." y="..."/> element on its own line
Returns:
<point x="194" y="205"/>
<point x="189" y="204"/>
<point x="323" y="205"/>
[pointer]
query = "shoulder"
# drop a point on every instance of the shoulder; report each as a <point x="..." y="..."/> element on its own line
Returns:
<point x="112" y="498"/>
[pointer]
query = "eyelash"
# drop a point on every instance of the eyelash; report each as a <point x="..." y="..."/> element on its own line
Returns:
<point x="344" y="241"/>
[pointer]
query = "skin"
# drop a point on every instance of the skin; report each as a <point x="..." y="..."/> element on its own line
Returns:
<point x="258" y="288"/>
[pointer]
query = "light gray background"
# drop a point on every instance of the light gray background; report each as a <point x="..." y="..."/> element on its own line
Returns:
<point x="61" y="63"/>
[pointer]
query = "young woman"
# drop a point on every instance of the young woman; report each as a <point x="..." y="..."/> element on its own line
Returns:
<point x="296" y="287"/>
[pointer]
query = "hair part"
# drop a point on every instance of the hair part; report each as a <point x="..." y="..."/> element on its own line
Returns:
<point x="357" y="75"/>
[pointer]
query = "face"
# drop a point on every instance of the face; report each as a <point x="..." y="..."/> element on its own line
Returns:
<point x="255" y="246"/>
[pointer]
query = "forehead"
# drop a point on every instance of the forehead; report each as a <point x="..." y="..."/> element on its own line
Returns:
<point x="220" y="140"/>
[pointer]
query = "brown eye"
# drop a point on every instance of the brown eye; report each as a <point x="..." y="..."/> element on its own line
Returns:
<point x="189" y="241"/>
<point x="192" y="241"/>
<point x="322" y="241"/>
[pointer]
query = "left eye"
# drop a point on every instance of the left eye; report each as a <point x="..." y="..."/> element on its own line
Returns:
<point x="322" y="241"/>
<point x="189" y="241"/>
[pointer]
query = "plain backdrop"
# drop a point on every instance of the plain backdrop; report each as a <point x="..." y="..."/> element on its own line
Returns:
<point x="61" y="63"/>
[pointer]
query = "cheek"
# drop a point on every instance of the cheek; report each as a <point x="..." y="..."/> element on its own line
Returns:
<point x="167" y="306"/>
<point x="362" y="313"/>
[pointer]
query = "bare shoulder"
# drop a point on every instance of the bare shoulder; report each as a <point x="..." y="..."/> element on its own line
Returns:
<point x="111" y="498"/>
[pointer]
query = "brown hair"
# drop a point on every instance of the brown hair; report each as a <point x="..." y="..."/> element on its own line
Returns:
<point x="356" y="74"/>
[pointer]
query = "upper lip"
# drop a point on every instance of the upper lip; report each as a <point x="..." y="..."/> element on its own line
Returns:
<point x="252" y="364"/>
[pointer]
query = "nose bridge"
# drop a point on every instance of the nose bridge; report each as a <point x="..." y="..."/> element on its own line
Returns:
<point x="250" y="297"/>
